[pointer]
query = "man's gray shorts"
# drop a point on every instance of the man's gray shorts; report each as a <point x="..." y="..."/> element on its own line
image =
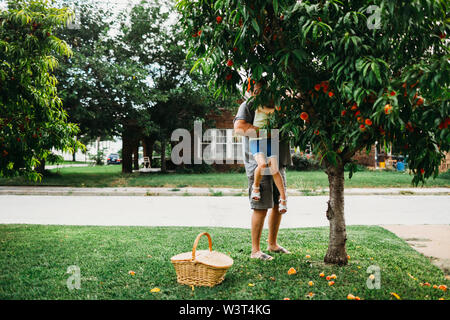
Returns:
<point x="269" y="191"/>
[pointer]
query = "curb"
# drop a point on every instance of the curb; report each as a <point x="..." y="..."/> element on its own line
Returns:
<point x="207" y="192"/>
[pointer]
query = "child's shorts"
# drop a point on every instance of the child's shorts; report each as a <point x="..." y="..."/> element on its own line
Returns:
<point x="261" y="146"/>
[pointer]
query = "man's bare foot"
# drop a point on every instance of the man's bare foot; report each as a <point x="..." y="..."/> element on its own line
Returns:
<point x="278" y="249"/>
<point x="261" y="256"/>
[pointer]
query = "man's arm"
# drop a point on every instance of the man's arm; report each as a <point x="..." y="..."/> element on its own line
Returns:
<point x="243" y="128"/>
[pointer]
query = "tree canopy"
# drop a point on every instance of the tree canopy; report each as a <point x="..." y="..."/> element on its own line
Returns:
<point x="343" y="74"/>
<point x="32" y="118"/>
<point x="341" y="84"/>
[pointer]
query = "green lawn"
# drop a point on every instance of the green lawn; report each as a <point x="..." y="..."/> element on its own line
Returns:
<point x="34" y="261"/>
<point x="68" y="162"/>
<point x="111" y="176"/>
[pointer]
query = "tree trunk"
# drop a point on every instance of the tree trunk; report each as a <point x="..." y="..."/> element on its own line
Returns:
<point x="147" y="144"/>
<point x="136" y="155"/>
<point x="127" y="149"/>
<point x="150" y="152"/>
<point x="336" y="253"/>
<point x="163" y="155"/>
<point x="74" y="152"/>
<point x="98" y="144"/>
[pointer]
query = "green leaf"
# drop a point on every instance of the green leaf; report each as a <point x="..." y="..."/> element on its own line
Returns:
<point x="275" y="6"/>
<point x="256" y="26"/>
<point x="376" y="70"/>
<point x="300" y="54"/>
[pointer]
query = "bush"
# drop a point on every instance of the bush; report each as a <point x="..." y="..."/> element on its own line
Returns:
<point x="54" y="159"/>
<point x="237" y="169"/>
<point x="98" y="157"/>
<point x="357" y="167"/>
<point x="195" y="168"/>
<point x="156" y="163"/>
<point x="445" y="175"/>
<point x="302" y="163"/>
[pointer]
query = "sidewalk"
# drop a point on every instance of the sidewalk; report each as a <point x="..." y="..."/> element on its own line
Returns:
<point x="143" y="191"/>
<point x="432" y="241"/>
<point x="56" y="166"/>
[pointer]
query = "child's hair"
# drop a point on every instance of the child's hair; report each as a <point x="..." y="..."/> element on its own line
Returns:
<point x="263" y="82"/>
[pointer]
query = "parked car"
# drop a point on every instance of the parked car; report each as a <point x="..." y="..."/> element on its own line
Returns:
<point x="113" y="158"/>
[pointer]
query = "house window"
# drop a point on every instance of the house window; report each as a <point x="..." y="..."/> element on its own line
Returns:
<point x="220" y="145"/>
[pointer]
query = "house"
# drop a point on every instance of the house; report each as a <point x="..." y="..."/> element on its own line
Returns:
<point x="445" y="163"/>
<point x="219" y="142"/>
<point x="229" y="148"/>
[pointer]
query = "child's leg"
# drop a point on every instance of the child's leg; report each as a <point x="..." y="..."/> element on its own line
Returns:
<point x="261" y="161"/>
<point x="274" y="170"/>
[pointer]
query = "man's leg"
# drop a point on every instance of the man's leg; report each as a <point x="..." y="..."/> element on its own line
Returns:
<point x="274" y="226"/>
<point x="259" y="214"/>
<point x="275" y="219"/>
<point x="258" y="217"/>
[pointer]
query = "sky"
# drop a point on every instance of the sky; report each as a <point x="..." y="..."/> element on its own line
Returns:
<point x="116" y="6"/>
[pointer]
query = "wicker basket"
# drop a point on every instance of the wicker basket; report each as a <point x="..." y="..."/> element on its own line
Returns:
<point x="202" y="267"/>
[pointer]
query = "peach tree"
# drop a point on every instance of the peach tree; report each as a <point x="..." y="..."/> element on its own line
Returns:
<point x="345" y="74"/>
<point x="32" y="119"/>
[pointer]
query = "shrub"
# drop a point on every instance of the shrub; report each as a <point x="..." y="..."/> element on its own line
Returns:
<point x="303" y="163"/>
<point x="195" y="168"/>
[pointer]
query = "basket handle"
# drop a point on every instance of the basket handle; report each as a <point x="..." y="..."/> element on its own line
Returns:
<point x="196" y="243"/>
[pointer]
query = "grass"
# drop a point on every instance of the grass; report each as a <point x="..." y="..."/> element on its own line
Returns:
<point x="111" y="176"/>
<point x="34" y="261"/>
<point x="68" y="162"/>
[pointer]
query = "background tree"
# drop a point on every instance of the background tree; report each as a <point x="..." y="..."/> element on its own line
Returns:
<point x="81" y="75"/>
<point x="100" y="90"/>
<point x="178" y="97"/>
<point x="343" y="75"/>
<point x="32" y="120"/>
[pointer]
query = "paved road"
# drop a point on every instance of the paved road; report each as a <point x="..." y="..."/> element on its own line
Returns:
<point x="216" y="211"/>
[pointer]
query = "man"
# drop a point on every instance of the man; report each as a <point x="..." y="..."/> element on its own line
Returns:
<point x="243" y="125"/>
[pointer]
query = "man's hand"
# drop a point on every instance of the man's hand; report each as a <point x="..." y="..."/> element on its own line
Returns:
<point x="243" y="128"/>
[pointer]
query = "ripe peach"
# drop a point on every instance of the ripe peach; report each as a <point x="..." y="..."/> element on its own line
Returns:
<point x="387" y="109"/>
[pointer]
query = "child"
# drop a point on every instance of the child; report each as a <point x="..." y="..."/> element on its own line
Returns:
<point x="260" y="147"/>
